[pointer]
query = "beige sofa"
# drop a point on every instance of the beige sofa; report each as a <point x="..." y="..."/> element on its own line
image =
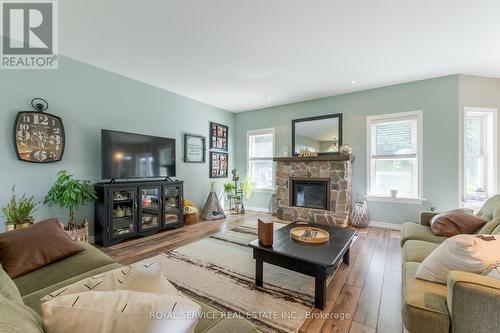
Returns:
<point x="468" y="303"/>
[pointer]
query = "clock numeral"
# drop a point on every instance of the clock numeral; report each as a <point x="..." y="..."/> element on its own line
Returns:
<point x="26" y="119"/>
<point x="23" y="135"/>
<point x="40" y="119"/>
<point x="55" y="139"/>
<point x="40" y="155"/>
<point x="24" y="127"/>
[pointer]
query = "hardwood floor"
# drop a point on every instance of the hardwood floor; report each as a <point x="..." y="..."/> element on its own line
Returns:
<point x="362" y="297"/>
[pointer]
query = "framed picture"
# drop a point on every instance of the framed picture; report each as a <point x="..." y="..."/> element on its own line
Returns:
<point x="218" y="136"/>
<point x="194" y="148"/>
<point x="218" y="164"/>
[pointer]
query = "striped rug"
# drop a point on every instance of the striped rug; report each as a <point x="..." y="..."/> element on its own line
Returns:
<point x="221" y="270"/>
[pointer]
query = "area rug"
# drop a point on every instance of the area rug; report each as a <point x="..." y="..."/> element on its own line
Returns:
<point x="220" y="270"/>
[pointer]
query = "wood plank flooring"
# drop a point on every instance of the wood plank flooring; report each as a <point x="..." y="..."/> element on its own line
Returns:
<point x="362" y="297"/>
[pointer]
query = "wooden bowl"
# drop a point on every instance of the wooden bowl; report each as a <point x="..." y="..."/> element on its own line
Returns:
<point x="310" y="235"/>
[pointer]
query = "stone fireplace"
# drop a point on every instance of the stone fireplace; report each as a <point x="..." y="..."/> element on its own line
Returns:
<point x="316" y="189"/>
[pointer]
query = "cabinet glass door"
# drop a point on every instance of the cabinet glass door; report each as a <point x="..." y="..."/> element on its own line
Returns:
<point x="171" y="204"/>
<point x="150" y="208"/>
<point x="123" y="211"/>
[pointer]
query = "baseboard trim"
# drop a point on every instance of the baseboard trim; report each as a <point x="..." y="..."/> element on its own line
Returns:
<point x="256" y="209"/>
<point x="385" y="225"/>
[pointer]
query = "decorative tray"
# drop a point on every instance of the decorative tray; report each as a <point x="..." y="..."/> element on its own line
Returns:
<point x="309" y="235"/>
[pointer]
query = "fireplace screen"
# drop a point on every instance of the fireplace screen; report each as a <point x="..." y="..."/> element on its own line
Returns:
<point x="310" y="193"/>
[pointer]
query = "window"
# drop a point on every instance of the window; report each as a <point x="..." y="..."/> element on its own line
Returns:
<point x="260" y="158"/>
<point x="394" y="161"/>
<point x="479" y="154"/>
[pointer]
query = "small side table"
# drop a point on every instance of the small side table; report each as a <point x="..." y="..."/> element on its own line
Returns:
<point x="235" y="205"/>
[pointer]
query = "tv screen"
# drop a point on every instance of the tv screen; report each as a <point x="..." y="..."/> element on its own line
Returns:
<point x="128" y="155"/>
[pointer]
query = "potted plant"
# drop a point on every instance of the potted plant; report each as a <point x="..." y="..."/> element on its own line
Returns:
<point x="19" y="213"/>
<point x="229" y="187"/>
<point x="70" y="193"/>
<point x="247" y="189"/>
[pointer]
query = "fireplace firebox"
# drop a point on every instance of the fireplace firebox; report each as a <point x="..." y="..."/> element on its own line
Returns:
<point x="310" y="193"/>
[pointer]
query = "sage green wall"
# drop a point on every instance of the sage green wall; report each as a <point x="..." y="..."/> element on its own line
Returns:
<point x="88" y="99"/>
<point x="478" y="91"/>
<point x="438" y="99"/>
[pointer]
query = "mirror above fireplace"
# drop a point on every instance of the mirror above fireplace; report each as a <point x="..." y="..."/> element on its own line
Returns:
<point x="320" y="135"/>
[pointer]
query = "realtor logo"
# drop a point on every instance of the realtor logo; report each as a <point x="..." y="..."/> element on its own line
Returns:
<point x="29" y="34"/>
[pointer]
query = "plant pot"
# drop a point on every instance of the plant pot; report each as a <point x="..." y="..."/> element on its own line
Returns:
<point x="23" y="225"/>
<point x="191" y="218"/>
<point x="79" y="233"/>
<point x="10" y="227"/>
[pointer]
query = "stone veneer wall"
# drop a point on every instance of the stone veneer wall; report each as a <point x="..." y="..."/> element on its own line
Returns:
<point x="339" y="173"/>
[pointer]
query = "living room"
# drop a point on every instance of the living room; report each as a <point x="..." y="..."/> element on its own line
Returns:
<point x="198" y="148"/>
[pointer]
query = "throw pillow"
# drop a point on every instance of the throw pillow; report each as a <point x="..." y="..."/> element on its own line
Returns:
<point x="493" y="271"/>
<point x="119" y="311"/>
<point x="455" y="222"/>
<point x="467" y="253"/>
<point x="142" y="277"/>
<point x="25" y="250"/>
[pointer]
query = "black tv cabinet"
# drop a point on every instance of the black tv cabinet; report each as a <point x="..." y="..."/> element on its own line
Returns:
<point x="128" y="209"/>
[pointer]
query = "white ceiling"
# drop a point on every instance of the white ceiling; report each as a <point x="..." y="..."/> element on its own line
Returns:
<point x="236" y="54"/>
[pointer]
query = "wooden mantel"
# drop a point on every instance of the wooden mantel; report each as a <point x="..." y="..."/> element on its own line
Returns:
<point x="314" y="158"/>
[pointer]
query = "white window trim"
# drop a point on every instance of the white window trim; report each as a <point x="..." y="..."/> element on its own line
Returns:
<point x="420" y="140"/>
<point x="496" y="152"/>
<point x="271" y="130"/>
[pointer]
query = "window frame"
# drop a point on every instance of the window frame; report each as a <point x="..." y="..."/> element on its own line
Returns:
<point x="370" y="120"/>
<point x="255" y="132"/>
<point x="476" y="204"/>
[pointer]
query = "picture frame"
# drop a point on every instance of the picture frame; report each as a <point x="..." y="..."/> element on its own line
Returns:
<point x="194" y="148"/>
<point x="219" y="135"/>
<point x="219" y="163"/>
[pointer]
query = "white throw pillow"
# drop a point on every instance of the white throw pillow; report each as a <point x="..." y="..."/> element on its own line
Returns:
<point x="119" y="311"/>
<point x="147" y="278"/>
<point x="467" y="253"/>
<point x="493" y="271"/>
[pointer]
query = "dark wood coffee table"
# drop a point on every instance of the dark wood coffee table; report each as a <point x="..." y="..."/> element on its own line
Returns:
<point x="316" y="260"/>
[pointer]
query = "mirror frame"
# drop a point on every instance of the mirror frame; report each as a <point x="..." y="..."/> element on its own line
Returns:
<point x="301" y="120"/>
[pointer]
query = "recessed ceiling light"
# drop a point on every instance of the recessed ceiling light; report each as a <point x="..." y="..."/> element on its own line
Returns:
<point x="353" y="81"/>
<point x="269" y="98"/>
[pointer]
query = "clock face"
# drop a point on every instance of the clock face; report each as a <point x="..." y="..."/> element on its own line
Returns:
<point x="39" y="137"/>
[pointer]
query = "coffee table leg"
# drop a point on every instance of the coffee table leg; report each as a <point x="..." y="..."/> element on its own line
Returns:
<point x="320" y="292"/>
<point x="346" y="256"/>
<point x="258" y="271"/>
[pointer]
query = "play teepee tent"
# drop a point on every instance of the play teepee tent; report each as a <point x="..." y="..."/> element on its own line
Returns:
<point x="212" y="209"/>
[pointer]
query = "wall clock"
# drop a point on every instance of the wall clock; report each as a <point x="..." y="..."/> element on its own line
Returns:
<point x="39" y="136"/>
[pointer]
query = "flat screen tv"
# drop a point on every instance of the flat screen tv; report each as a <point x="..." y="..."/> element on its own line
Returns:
<point x="129" y="155"/>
